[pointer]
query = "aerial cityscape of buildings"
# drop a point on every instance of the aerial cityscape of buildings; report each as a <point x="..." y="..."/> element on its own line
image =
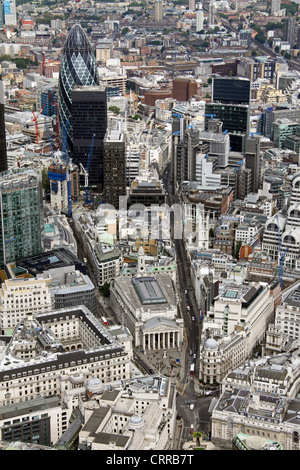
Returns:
<point x="150" y="225"/>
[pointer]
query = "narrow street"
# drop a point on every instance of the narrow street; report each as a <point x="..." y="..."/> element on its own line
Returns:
<point x="196" y="416"/>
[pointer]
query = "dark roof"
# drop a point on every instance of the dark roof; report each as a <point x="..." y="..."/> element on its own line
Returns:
<point x="77" y="40"/>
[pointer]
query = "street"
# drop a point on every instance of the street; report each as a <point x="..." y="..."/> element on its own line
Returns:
<point x="197" y="418"/>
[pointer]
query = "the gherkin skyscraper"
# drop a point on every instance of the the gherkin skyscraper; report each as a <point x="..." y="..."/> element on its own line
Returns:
<point x="77" y="67"/>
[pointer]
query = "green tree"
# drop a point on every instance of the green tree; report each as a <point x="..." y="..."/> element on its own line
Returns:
<point x="105" y="289"/>
<point x="114" y="109"/>
<point x="45" y="180"/>
<point x="237" y="248"/>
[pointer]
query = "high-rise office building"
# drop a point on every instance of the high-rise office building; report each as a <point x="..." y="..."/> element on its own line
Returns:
<point x="114" y="167"/>
<point x="235" y="119"/>
<point x="158" y="10"/>
<point x="77" y="67"/>
<point x="290" y="30"/>
<point x="211" y="13"/>
<point x="192" y="5"/>
<point x="1" y="14"/>
<point x="3" y="152"/>
<point x="21" y="213"/>
<point x="275" y="6"/>
<point x="89" y="117"/>
<point x="10" y="15"/>
<point x="231" y="105"/>
<point x="234" y="90"/>
<point x="199" y="20"/>
<point x="48" y="101"/>
<point x="252" y="160"/>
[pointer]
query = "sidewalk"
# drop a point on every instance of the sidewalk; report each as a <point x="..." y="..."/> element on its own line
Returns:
<point x="168" y="362"/>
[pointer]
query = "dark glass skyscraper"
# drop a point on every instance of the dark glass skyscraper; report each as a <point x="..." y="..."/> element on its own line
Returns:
<point x="89" y="117"/>
<point x="3" y="152"/>
<point x="231" y="105"/>
<point x="233" y="90"/>
<point x="77" y="67"/>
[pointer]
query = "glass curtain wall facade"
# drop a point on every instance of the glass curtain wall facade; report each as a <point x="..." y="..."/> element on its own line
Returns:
<point x="77" y="67"/>
<point x="89" y="117"/>
<point x="235" y="119"/>
<point x="231" y="90"/>
<point x="21" y="211"/>
<point x="3" y="151"/>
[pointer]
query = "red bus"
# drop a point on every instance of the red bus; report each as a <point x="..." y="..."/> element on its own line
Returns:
<point x="192" y="370"/>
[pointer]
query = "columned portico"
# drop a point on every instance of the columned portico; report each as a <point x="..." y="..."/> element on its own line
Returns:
<point x="161" y="340"/>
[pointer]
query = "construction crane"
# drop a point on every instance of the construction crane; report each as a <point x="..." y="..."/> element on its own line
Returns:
<point x="252" y="134"/>
<point x="68" y="167"/>
<point x="281" y="255"/>
<point x="179" y="116"/>
<point x="85" y="171"/>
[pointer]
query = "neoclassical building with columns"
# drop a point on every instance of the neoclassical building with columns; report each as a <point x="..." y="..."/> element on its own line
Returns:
<point x="147" y="306"/>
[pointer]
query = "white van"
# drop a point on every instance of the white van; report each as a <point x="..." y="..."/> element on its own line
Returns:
<point x="192" y="406"/>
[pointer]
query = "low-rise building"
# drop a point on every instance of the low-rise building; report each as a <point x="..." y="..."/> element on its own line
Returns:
<point x="287" y="317"/>
<point x="147" y="305"/>
<point x="20" y="298"/>
<point x="260" y="399"/>
<point x="58" y="351"/>
<point x="141" y="414"/>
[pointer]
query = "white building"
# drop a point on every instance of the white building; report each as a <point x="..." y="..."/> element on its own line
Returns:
<point x="289" y="230"/>
<point x="147" y="306"/>
<point x="199" y="20"/>
<point x="56" y="352"/>
<point x="275" y="7"/>
<point x="108" y="261"/>
<point x="40" y="421"/>
<point x="204" y="174"/>
<point x="113" y="75"/>
<point x="287" y="316"/>
<point x="220" y="354"/>
<point x="244" y="307"/>
<point x="141" y="414"/>
<point x="10" y="15"/>
<point x="20" y="298"/>
<point x="260" y="399"/>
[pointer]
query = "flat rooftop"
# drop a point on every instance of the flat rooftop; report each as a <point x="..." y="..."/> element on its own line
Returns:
<point x="148" y="290"/>
<point x="41" y="262"/>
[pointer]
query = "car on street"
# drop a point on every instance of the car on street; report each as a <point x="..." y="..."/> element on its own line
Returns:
<point x="193" y="318"/>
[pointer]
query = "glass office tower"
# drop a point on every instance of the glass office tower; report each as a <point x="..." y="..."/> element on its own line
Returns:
<point x="77" y="67"/>
<point x="21" y="213"/>
<point x="3" y="152"/>
<point x="231" y="105"/>
<point x="233" y="90"/>
<point x="89" y="117"/>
